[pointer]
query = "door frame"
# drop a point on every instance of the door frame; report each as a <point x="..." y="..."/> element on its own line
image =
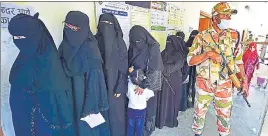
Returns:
<point x="205" y="14"/>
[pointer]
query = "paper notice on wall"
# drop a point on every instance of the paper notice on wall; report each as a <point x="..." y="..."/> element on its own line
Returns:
<point x="121" y="12"/>
<point x="173" y="15"/>
<point x="181" y="17"/>
<point x="171" y="32"/>
<point x="140" y="16"/>
<point x="159" y="18"/>
<point x="9" y="53"/>
<point x="9" y="10"/>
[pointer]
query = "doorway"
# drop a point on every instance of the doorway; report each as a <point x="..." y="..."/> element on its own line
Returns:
<point x="204" y="21"/>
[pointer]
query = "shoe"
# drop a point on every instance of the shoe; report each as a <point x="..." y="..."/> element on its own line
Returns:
<point x="197" y="135"/>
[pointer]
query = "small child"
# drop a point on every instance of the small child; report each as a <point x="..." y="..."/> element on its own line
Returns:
<point x="137" y="103"/>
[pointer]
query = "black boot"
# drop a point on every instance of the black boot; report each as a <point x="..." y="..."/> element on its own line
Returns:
<point x="197" y="135"/>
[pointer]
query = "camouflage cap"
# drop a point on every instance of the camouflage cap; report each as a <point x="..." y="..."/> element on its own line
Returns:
<point x="223" y="8"/>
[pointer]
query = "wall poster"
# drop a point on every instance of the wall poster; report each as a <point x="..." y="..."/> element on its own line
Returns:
<point x="140" y="16"/>
<point x="159" y="18"/>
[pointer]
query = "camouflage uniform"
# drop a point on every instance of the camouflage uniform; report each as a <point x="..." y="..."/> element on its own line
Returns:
<point x="209" y="85"/>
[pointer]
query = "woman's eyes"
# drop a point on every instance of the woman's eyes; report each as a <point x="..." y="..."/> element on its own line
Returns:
<point x="73" y="28"/>
<point x="107" y="22"/>
<point x="19" y="37"/>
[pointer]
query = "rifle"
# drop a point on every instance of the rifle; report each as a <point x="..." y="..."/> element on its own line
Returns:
<point x="230" y="73"/>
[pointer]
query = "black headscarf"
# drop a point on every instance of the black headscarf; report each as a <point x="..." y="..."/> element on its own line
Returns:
<point x="181" y="35"/>
<point x="38" y="58"/>
<point x="38" y="68"/>
<point x="111" y="43"/>
<point x="191" y="38"/>
<point x="78" y="50"/>
<point x="175" y="50"/>
<point x="144" y="47"/>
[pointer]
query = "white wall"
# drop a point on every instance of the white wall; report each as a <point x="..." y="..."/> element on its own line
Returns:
<point x="243" y="20"/>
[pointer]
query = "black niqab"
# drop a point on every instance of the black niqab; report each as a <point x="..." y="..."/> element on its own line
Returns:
<point x="38" y="58"/>
<point x="181" y="34"/>
<point x="143" y="50"/>
<point x="79" y="48"/>
<point x="111" y="43"/>
<point x="175" y="50"/>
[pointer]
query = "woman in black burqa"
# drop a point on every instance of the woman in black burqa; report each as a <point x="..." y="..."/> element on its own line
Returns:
<point x="191" y="71"/>
<point x="181" y="35"/>
<point x="114" y="53"/>
<point x="171" y="95"/>
<point x="144" y="53"/>
<point x="82" y="63"/>
<point x="40" y="95"/>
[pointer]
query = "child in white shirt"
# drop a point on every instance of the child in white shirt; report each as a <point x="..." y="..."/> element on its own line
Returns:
<point x="137" y="103"/>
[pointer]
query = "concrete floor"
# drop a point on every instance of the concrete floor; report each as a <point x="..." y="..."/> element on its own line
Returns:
<point x="264" y="131"/>
<point x="245" y="121"/>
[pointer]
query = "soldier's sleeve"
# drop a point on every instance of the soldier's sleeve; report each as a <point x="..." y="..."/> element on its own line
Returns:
<point x="195" y="49"/>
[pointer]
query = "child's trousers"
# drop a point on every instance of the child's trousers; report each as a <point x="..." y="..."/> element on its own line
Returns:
<point x="135" y="124"/>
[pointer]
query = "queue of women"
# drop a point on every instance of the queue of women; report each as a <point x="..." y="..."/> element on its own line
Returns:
<point x="88" y="77"/>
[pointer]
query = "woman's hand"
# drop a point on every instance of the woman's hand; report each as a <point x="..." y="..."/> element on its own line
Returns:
<point x="139" y="91"/>
<point x="130" y="70"/>
<point x="117" y="95"/>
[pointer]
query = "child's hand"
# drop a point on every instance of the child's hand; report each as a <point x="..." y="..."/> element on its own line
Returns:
<point x="131" y="69"/>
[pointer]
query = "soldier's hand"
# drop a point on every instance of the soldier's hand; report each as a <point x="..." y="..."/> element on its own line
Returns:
<point x="215" y="57"/>
<point x="245" y="89"/>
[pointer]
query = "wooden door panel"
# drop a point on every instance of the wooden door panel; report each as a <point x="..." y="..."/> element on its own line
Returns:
<point x="204" y="23"/>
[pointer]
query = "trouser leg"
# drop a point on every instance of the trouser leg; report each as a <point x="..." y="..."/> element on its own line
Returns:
<point x="204" y="96"/>
<point x="131" y="123"/>
<point x="223" y="107"/>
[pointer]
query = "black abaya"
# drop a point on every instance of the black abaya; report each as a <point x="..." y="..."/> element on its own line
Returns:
<point x="190" y="86"/>
<point x="82" y="63"/>
<point x="144" y="53"/>
<point x="40" y="95"/>
<point x="171" y="96"/>
<point x="114" y="54"/>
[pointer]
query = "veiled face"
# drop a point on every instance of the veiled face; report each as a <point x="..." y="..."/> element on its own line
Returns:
<point x="137" y="40"/>
<point x="74" y="34"/>
<point x="26" y="32"/>
<point x="105" y="26"/>
<point x="72" y="27"/>
<point x="76" y="28"/>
